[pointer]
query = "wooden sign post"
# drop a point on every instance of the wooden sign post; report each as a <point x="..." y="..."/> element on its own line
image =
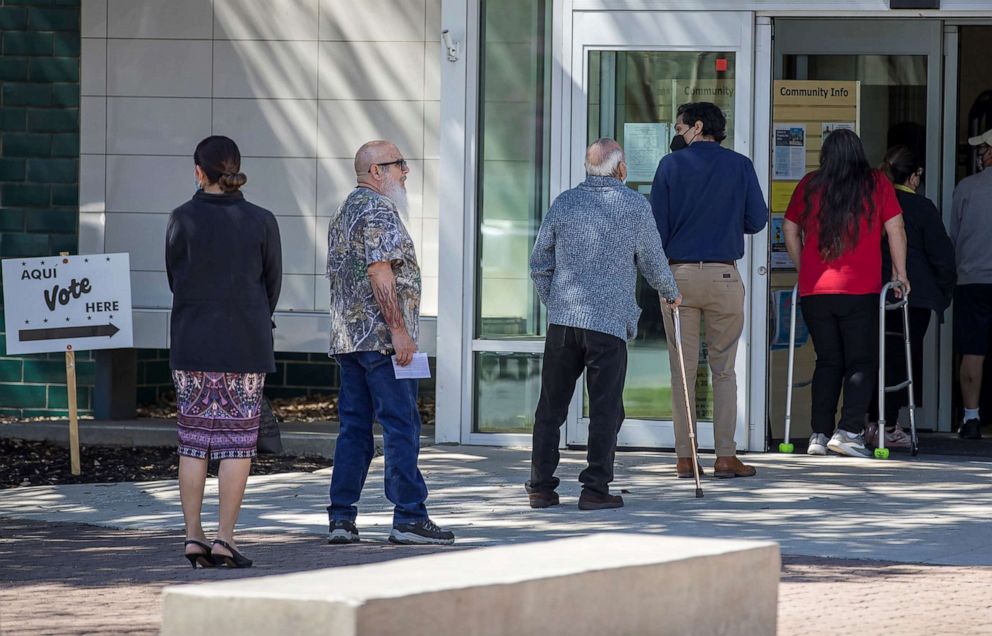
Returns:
<point x="68" y="303"/>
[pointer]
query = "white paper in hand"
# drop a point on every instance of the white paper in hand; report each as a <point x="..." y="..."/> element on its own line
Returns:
<point x="418" y="368"/>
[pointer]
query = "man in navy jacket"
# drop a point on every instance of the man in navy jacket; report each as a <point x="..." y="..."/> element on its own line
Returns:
<point x="705" y="198"/>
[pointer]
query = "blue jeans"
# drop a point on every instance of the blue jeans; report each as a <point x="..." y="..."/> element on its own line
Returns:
<point x="370" y="391"/>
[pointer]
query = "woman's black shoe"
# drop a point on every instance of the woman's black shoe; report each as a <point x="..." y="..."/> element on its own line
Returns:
<point x="203" y="558"/>
<point x="235" y="560"/>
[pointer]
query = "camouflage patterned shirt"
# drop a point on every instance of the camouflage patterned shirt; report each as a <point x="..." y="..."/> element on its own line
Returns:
<point x="367" y="229"/>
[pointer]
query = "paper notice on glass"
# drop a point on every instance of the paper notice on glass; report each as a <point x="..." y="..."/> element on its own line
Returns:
<point x="418" y="368"/>
<point x="790" y="152"/>
<point x="828" y="127"/>
<point x="644" y="145"/>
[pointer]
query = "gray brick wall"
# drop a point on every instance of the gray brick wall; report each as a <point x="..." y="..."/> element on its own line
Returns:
<point x="39" y="178"/>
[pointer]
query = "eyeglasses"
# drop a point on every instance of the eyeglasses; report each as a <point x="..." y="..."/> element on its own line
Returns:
<point x="399" y="162"/>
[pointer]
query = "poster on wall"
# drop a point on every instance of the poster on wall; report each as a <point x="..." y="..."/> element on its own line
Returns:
<point x="782" y="318"/>
<point x="644" y="145"/>
<point x="779" y="255"/>
<point x="789" y="156"/>
<point x="828" y="127"/>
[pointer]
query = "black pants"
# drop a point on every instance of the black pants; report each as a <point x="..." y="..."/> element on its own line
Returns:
<point x="895" y="362"/>
<point x="844" y="329"/>
<point x="567" y="352"/>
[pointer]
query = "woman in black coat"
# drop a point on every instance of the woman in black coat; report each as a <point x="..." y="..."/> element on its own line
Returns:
<point x="931" y="268"/>
<point x="224" y="262"/>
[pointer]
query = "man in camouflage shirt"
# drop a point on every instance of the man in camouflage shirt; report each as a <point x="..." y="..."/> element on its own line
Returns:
<point x="375" y="309"/>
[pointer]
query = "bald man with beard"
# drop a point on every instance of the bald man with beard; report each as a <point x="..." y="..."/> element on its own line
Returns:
<point x="375" y="313"/>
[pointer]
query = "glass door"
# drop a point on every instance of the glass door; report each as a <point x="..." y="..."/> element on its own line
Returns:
<point x="897" y="65"/>
<point x="626" y="86"/>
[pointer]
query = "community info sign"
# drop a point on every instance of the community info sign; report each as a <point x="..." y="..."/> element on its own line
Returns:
<point x="67" y="303"/>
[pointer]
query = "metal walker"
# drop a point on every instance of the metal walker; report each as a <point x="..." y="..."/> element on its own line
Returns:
<point x="883" y="306"/>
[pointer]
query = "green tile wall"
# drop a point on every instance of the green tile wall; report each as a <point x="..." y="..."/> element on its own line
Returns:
<point x="39" y="179"/>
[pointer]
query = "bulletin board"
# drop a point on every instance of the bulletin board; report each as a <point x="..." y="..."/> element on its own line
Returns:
<point x="804" y="113"/>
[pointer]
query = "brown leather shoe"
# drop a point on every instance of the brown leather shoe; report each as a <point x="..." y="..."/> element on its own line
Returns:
<point x="727" y="467"/>
<point x="589" y="500"/>
<point x="543" y="499"/>
<point x="683" y="468"/>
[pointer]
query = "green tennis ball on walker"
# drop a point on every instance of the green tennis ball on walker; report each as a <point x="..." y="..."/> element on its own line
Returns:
<point x="881" y="453"/>
<point x="786" y="447"/>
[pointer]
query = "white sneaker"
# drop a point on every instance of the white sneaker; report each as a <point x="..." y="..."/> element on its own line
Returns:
<point x="817" y="444"/>
<point x="850" y="444"/>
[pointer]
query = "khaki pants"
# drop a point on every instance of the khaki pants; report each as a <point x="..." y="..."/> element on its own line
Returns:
<point x="714" y="293"/>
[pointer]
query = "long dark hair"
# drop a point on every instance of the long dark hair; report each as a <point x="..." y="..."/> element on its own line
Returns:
<point x="845" y="183"/>
<point x="220" y="159"/>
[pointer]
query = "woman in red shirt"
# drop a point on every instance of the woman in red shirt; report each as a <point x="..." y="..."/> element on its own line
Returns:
<point x="833" y="230"/>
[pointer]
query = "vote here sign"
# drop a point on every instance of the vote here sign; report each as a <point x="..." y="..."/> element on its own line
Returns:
<point x="58" y="303"/>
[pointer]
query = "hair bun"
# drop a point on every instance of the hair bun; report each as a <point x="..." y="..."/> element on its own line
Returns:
<point x="231" y="182"/>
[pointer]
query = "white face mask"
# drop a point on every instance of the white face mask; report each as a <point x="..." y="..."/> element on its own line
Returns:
<point x="196" y="185"/>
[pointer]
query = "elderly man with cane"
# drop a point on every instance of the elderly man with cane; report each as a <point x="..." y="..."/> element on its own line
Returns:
<point x="592" y="242"/>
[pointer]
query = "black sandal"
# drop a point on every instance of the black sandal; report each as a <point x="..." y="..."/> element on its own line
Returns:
<point x="203" y="558"/>
<point x="235" y="560"/>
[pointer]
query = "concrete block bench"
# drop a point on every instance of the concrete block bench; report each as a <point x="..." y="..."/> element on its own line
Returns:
<point x="606" y="584"/>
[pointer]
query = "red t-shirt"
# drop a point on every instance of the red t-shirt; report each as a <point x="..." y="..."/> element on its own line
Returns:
<point x="859" y="269"/>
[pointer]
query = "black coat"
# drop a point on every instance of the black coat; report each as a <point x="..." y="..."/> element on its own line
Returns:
<point x="224" y="262"/>
<point x="930" y="262"/>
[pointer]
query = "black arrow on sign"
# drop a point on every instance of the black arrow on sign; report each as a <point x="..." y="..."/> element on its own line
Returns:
<point x="66" y="333"/>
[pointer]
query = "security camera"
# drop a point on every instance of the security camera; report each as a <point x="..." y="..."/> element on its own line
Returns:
<point x="450" y="45"/>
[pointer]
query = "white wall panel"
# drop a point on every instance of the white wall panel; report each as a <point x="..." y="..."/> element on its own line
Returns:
<point x="265" y="19"/>
<point x="286" y="187"/>
<point x="298" y="236"/>
<point x="297" y="293"/>
<point x="372" y="70"/>
<point x="150" y="289"/>
<point x="175" y="19"/>
<point x="373" y="20"/>
<point x="141" y="235"/>
<point x="148" y="184"/>
<point x="159" y="68"/>
<point x="148" y="126"/>
<point x="335" y="180"/>
<point x="265" y="69"/>
<point x="268" y="127"/>
<point x="93" y="67"/>
<point x="92" y="125"/>
<point x="345" y="125"/>
<point x="93" y="19"/>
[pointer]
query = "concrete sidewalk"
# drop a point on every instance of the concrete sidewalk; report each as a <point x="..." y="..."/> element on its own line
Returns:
<point x="902" y="510"/>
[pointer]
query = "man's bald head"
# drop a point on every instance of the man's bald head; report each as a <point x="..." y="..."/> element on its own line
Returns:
<point x="603" y="158"/>
<point x="373" y="152"/>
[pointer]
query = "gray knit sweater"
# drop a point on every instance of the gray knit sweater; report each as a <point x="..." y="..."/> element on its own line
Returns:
<point x="592" y="242"/>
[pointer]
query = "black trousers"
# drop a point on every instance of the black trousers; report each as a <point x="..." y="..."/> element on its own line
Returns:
<point x="895" y="361"/>
<point x="844" y="329"/>
<point x="567" y="352"/>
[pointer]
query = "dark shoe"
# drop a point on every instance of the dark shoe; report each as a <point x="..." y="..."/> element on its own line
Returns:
<point x="590" y="500"/>
<point x="421" y="532"/>
<point x="342" y="531"/>
<point x="202" y="558"/>
<point x="727" y="467"/>
<point x="235" y="560"/>
<point x="683" y="468"/>
<point x="543" y="499"/>
<point x="972" y="429"/>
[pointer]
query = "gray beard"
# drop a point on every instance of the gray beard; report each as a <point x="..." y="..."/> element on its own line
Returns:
<point x="395" y="192"/>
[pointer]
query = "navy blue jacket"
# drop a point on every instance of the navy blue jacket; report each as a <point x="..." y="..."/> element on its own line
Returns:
<point x="705" y="198"/>
<point x="224" y="262"/>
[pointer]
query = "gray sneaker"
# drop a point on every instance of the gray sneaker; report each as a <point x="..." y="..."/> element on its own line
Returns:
<point x="817" y="444"/>
<point x="844" y="443"/>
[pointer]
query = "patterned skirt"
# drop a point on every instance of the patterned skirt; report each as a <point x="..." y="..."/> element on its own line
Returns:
<point x="218" y="413"/>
